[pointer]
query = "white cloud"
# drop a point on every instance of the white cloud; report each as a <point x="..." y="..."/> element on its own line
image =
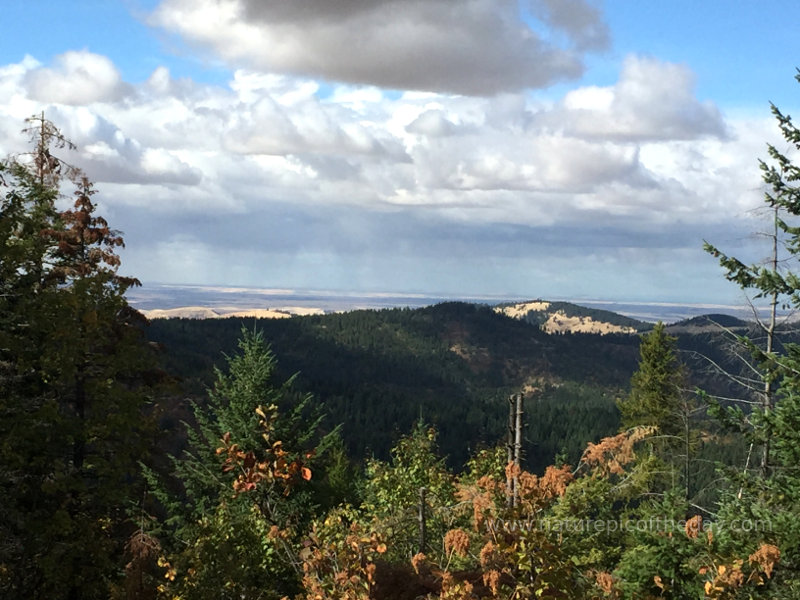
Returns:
<point x="473" y="47"/>
<point x="432" y="123"/>
<point x="355" y="179"/>
<point x="77" y="78"/>
<point x="652" y="100"/>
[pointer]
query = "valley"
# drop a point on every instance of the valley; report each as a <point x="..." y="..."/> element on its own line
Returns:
<point x="453" y="365"/>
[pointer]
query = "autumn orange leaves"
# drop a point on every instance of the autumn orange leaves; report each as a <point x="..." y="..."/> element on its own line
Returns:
<point x="275" y="467"/>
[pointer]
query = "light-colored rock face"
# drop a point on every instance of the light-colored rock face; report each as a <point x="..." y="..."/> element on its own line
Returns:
<point x="185" y="312"/>
<point x="517" y="311"/>
<point x="559" y="322"/>
<point x="203" y="312"/>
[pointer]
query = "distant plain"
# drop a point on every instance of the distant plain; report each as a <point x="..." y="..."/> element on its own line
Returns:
<point x="221" y="299"/>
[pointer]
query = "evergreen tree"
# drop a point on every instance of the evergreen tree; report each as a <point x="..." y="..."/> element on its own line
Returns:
<point x="75" y="375"/>
<point x="228" y="537"/>
<point x="772" y="280"/>
<point x="658" y="399"/>
<point x="656" y="386"/>
<point x="772" y="498"/>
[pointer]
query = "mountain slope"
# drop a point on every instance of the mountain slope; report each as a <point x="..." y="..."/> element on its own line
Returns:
<point x="561" y="317"/>
<point x="709" y="323"/>
<point x="453" y="364"/>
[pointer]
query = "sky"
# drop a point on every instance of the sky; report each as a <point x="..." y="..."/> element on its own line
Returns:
<point x="559" y="149"/>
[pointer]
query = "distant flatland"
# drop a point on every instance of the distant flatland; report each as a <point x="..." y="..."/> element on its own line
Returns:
<point x="211" y="302"/>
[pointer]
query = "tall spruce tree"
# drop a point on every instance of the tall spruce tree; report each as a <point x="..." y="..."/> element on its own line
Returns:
<point x="656" y="386"/>
<point x="772" y="280"/>
<point x="772" y="498"/>
<point x="224" y="539"/>
<point x="658" y="398"/>
<point x="75" y="374"/>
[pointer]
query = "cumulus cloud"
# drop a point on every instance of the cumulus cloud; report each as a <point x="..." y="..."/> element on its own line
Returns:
<point x="473" y="47"/>
<point x="273" y="170"/>
<point x="272" y="126"/>
<point x="653" y="100"/>
<point x="77" y="78"/>
<point x="494" y="160"/>
<point x="269" y="137"/>
<point x="432" y="123"/>
<point x="110" y="155"/>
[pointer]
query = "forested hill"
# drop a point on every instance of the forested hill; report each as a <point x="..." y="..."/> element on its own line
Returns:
<point x="558" y="317"/>
<point x="711" y="323"/>
<point x="453" y="364"/>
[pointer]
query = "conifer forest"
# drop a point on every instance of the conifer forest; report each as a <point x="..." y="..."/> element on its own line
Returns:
<point x="446" y="452"/>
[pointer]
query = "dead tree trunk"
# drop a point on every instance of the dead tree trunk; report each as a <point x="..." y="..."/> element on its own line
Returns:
<point x="515" y="420"/>
<point x="423" y="532"/>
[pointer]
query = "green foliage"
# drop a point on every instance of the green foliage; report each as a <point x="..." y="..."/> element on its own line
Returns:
<point x="773" y="281"/>
<point x="239" y="516"/>
<point x="343" y="479"/>
<point x="377" y="387"/>
<point x="76" y="378"/>
<point x="769" y="499"/>
<point x="230" y="541"/>
<point x="485" y="462"/>
<point x="453" y="364"/>
<point x="656" y="386"/>
<point x="341" y="557"/>
<point x="585" y="502"/>
<point x="392" y="492"/>
<point x="233" y="553"/>
<point x="659" y="557"/>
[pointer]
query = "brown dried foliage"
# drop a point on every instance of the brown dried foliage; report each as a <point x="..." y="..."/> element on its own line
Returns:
<point x="610" y="455"/>
<point x="487" y="555"/>
<point x="491" y="579"/>
<point x="536" y="492"/>
<point x="144" y="551"/>
<point x="693" y="527"/>
<point x="766" y="557"/>
<point x="86" y="245"/>
<point x="607" y="584"/>
<point x="456" y="540"/>
<point x="418" y="561"/>
<point x="481" y="495"/>
<point x="455" y="589"/>
<point x="726" y="578"/>
<point x="275" y="468"/>
<point x="343" y="569"/>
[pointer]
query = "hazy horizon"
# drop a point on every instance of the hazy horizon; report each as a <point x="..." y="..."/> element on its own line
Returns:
<point x="167" y="296"/>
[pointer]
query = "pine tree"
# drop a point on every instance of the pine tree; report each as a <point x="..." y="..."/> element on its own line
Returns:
<point x="771" y="281"/>
<point x="658" y="399"/>
<point x="773" y="497"/>
<point x="74" y="384"/>
<point x="225" y="539"/>
<point x="656" y="386"/>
